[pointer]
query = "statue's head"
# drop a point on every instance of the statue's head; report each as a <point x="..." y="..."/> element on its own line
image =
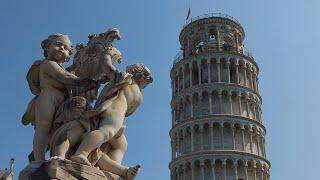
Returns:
<point x="140" y="74"/>
<point x="112" y="34"/>
<point x="57" y="47"/>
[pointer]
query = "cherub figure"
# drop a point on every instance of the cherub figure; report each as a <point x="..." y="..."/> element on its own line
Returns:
<point x="72" y="124"/>
<point x="49" y="82"/>
<point x="105" y="125"/>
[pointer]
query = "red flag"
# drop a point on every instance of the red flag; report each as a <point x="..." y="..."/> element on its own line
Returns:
<point x="189" y="14"/>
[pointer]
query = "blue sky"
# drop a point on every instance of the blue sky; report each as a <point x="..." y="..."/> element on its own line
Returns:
<point x="283" y="36"/>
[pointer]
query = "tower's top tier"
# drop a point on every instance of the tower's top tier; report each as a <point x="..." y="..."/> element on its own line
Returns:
<point x="213" y="32"/>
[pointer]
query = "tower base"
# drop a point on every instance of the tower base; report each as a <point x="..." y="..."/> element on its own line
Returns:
<point x="56" y="169"/>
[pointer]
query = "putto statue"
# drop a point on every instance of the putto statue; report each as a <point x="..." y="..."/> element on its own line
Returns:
<point x="66" y="124"/>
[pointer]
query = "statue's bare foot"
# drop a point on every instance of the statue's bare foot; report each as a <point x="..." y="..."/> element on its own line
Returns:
<point x="132" y="172"/>
<point x="79" y="158"/>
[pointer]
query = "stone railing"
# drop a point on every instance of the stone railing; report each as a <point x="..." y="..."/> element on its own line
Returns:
<point x="211" y="15"/>
<point x="179" y="56"/>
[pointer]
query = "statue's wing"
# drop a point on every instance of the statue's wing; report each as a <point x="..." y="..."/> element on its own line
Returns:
<point x="29" y="116"/>
<point x="33" y="77"/>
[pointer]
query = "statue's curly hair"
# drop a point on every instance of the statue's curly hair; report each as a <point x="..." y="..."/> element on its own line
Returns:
<point x="140" y="73"/>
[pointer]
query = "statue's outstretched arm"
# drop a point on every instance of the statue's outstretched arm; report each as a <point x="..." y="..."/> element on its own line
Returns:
<point x="92" y="113"/>
<point x="63" y="76"/>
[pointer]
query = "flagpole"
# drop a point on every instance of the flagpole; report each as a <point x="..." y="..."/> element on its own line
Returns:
<point x="189" y="14"/>
<point x="190" y="11"/>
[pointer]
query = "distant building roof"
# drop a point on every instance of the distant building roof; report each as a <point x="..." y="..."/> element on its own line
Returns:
<point x="6" y="175"/>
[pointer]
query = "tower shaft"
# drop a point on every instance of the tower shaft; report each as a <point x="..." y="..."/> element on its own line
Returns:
<point x="217" y="130"/>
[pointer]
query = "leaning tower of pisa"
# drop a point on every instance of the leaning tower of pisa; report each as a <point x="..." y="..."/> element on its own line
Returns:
<point x="217" y="129"/>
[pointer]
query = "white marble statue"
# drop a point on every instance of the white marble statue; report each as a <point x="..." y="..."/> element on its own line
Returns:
<point x="49" y="82"/>
<point x="65" y="122"/>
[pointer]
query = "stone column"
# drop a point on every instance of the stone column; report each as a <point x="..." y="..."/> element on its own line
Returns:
<point x="240" y="108"/>
<point x="201" y="136"/>
<point x="256" y="82"/>
<point x="235" y="168"/>
<point x="260" y="114"/>
<point x="222" y="136"/>
<point x="191" y="67"/>
<point x="242" y="132"/>
<point x="237" y="42"/>
<point x="200" y="103"/>
<point x="172" y="150"/>
<point x="209" y="71"/>
<point x="224" y="169"/>
<point x="251" y="145"/>
<point x="218" y="38"/>
<point x="245" y="75"/>
<point x="251" y="80"/>
<point x="228" y="69"/>
<point x="174" y="116"/>
<point x="261" y="145"/>
<point x="192" y="172"/>
<point x="184" y="149"/>
<point x="258" y="145"/>
<point x="264" y="148"/>
<point x="184" y="172"/>
<point x="246" y="171"/>
<point x="178" y="145"/>
<point x="220" y="101"/>
<point x="254" y="110"/>
<point x="202" y="170"/>
<point x="192" y="139"/>
<point x="178" y="174"/>
<point x="248" y="108"/>
<point x="218" y="70"/>
<point x="213" y="172"/>
<point x="237" y="72"/>
<point x="178" y="85"/>
<point x="210" y="103"/>
<point x="191" y="106"/>
<point x="183" y="79"/>
<point x="174" y="86"/>
<point x="211" y="136"/>
<point x="254" y="172"/>
<point x="233" y="138"/>
<point x="230" y="102"/>
<point x="199" y="73"/>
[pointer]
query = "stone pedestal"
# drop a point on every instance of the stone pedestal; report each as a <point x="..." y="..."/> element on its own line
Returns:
<point x="56" y="169"/>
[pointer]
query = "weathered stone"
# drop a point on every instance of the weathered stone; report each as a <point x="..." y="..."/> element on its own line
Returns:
<point x="64" y="169"/>
<point x="217" y="129"/>
<point x="67" y="125"/>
